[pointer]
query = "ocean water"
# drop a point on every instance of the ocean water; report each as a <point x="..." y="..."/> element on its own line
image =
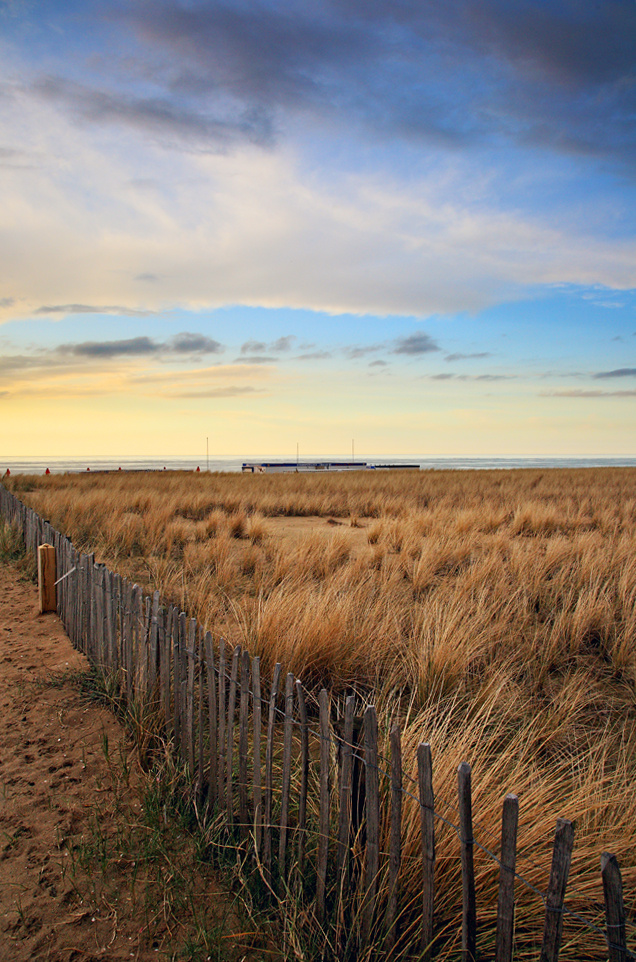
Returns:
<point x="38" y="465"/>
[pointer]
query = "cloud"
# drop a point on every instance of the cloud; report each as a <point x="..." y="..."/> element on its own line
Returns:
<point x="256" y="359"/>
<point x="314" y="356"/>
<point x="415" y="345"/>
<point x="357" y="351"/>
<point x="441" y="377"/>
<point x="184" y="343"/>
<point x="574" y="393"/>
<point x="7" y="301"/>
<point x="618" y="372"/>
<point x="461" y="72"/>
<point x="150" y="278"/>
<point x="378" y="363"/>
<point x="467" y="357"/>
<point x="215" y="392"/>
<point x="253" y="347"/>
<point x="283" y="343"/>
<point x="171" y="123"/>
<point x="91" y="309"/>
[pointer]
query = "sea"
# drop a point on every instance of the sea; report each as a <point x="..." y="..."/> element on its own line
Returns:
<point x="38" y="465"/>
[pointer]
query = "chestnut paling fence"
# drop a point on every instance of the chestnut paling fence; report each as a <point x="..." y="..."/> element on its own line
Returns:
<point x="300" y="782"/>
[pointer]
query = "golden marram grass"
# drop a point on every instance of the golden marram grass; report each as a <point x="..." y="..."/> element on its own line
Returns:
<point x="493" y="612"/>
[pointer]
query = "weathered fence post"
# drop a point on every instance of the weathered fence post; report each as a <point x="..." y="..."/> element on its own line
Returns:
<point x="269" y="763"/>
<point x="555" y="897"/>
<point x="243" y="744"/>
<point x="395" y="845"/>
<point x="427" y="825"/>
<point x="614" y="908"/>
<point x="469" y="913"/>
<point x="257" y="783"/>
<point x="372" y="786"/>
<point x="304" y="781"/>
<point x="323" y="820"/>
<point x="286" y="773"/>
<point x="506" y="900"/>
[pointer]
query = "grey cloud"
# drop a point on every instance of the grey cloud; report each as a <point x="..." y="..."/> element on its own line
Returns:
<point x="184" y="343"/>
<point x="618" y="372"/>
<point x="189" y="343"/>
<point x="7" y="301"/>
<point x="172" y="123"/>
<point x="253" y="347"/>
<point x="135" y="346"/>
<point x="215" y="392"/>
<point x="415" y="344"/>
<point x="378" y="364"/>
<point x="255" y="359"/>
<point x="467" y="357"/>
<point x="314" y="356"/>
<point x="283" y="343"/>
<point x="558" y="74"/>
<point x="588" y="394"/>
<point x="91" y="309"/>
<point x="441" y="377"/>
<point x="147" y="277"/>
<point x="357" y="351"/>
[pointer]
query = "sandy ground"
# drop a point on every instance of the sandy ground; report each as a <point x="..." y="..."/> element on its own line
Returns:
<point x="52" y="766"/>
<point x="56" y="783"/>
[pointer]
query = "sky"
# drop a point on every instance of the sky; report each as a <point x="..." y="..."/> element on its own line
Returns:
<point x="411" y="223"/>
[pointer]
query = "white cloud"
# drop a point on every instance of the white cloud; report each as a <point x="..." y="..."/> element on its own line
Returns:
<point x="83" y="223"/>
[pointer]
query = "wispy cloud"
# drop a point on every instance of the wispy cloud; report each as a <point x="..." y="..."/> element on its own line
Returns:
<point x="91" y="309"/>
<point x="184" y="343"/>
<point x="574" y="393"/>
<point x="618" y="372"/>
<point x="467" y="357"/>
<point x="415" y="345"/>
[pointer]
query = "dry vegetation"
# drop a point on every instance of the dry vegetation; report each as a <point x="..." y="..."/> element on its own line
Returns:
<point x="495" y="612"/>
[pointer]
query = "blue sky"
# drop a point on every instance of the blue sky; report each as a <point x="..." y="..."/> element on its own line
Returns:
<point x="411" y="222"/>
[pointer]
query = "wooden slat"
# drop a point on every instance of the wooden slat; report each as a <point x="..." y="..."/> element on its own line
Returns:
<point x="555" y="896"/>
<point x="191" y="663"/>
<point x="286" y="774"/>
<point x="506" y="899"/>
<point x="269" y="775"/>
<point x="180" y="726"/>
<point x="257" y="716"/>
<point x="231" y="719"/>
<point x="166" y="666"/>
<point x="304" y="781"/>
<point x="200" y="714"/>
<point x="153" y="646"/>
<point x="243" y="745"/>
<point x="212" y="718"/>
<point x="427" y="825"/>
<point x="47" y="578"/>
<point x="345" y="800"/>
<point x="372" y="786"/>
<point x="395" y="841"/>
<point x="614" y="908"/>
<point x="469" y="909"/>
<point x="222" y="724"/>
<point x="323" y="819"/>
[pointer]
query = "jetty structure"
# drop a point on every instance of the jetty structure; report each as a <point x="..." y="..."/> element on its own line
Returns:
<point x="301" y="467"/>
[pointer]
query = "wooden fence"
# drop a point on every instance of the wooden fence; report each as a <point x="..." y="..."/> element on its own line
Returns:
<point x="303" y="792"/>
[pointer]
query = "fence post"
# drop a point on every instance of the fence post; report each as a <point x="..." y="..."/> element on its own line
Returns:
<point x="372" y="791"/>
<point x="243" y="744"/>
<point x="229" y="757"/>
<point x="555" y="897"/>
<point x="506" y="900"/>
<point x="345" y="794"/>
<point x="46" y="578"/>
<point x="614" y="908"/>
<point x="427" y="825"/>
<point x="304" y="781"/>
<point x="395" y="848"/>
<point x="469" y="913"/>
<point x="269" y="762"/>
<point x="286" y="774"/>
<point x="257" y="783"/>
<point x="323" y="826"/>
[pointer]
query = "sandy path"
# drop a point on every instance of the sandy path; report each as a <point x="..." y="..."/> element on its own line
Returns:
<point x="52" y="768"/>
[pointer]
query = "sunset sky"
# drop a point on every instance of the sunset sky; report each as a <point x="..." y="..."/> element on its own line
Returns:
<point x="411" y="222"/>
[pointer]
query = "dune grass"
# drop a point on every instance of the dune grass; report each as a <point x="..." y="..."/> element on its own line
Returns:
<point x="494" y="613"/>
